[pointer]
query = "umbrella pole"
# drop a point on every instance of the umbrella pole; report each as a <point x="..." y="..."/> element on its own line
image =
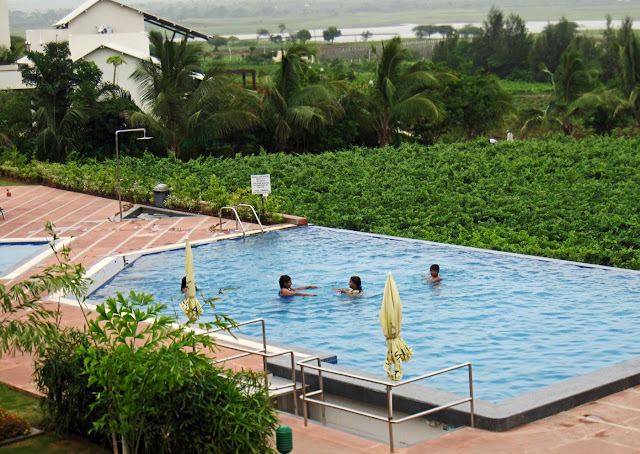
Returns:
<point x="390" y="416"/>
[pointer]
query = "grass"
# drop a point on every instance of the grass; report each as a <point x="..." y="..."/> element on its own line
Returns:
<point x="53" y="444"/>
<point x="23" y="405"/>
<point x="28" y="408"/>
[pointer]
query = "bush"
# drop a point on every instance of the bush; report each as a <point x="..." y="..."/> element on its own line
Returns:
<point x="11" y="426"/>
<point x="67" y="394"/>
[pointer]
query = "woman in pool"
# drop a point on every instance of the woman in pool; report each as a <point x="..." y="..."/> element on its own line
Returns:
<point x="355" y="287"/>
<point x="287" y="290"/>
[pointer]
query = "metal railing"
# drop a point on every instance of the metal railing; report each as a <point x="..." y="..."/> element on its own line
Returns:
<point x="246" y="205"/>
<point x="305" y="396"/>
<point x="265" y="356"/>
<point x="238" y="221"/>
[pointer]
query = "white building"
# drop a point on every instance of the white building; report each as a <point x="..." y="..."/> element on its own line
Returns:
<point x="99" y="29"/>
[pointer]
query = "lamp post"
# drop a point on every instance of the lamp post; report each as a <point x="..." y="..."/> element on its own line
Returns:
<point x="144" y="137"/>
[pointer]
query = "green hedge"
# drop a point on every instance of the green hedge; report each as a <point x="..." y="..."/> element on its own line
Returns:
<point x="554" y="197"/>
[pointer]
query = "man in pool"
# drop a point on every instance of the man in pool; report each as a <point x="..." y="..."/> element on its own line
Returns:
<point x="434" y="270"/>
<point x="287" y="290"/>
<point x="355" y="287"/>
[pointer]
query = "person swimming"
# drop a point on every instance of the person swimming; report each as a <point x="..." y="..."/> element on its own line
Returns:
<point x="287" y="290"/>
<point x="433" y="270"/>
<point x="183" y="286"/>
<point x="355" y="287"/>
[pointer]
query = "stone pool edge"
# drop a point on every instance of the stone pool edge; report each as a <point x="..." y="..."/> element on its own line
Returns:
<point x="492" y="416"/>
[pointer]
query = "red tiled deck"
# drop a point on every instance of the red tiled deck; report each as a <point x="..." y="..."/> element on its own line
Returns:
<point x="610" y="425"/>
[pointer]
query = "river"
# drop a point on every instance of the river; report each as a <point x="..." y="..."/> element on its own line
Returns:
<point x="406" y="30"/>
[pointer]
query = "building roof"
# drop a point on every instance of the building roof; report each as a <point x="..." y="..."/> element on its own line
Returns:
<point x="149" y="18"/>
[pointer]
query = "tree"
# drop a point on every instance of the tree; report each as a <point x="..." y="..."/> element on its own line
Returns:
<point x="330" y="34"/>
<point x="629" y="56"/>
<point x="470" y="30"/>
<point x="276" y="39"/>
<point x="575" y="93"/>
<point x="116" y="60"/>
<point x="282" y="28"/>
<point x="552" y="43"/>
<point x="218" y="41"/>
<point x="261" y="32"/>
<point x="366" y="35"/>
<point x="399" y="96"/>
<point x="292" y="108"/>
<point x="424" y="30"/>
<point x="62" y="88"/>
<point x="13" y="52"/>
<point x="185" y="101"/>
<point x="303" y="35"/>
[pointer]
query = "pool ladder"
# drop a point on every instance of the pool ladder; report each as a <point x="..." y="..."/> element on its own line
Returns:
<point x="234" y="209"/>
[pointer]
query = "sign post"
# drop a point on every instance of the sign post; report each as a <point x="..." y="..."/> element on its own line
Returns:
<point x="261" y="184"/>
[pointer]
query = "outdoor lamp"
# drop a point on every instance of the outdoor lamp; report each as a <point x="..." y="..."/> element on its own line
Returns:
<point x="144" y="137"/>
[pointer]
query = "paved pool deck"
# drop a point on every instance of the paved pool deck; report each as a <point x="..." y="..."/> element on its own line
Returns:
<point x="610" y="425"/>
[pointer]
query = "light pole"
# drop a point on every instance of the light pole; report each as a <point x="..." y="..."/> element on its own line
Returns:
<point x="144" y="137"/>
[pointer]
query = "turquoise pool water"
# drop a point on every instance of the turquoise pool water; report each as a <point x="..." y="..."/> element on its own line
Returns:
<point x="13" y="254"/>
<point x="523" y="322"/>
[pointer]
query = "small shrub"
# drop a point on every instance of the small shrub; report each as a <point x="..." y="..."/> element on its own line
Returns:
<point x="11" y="426"/>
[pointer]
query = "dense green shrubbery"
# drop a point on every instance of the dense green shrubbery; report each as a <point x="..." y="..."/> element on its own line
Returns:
<point x="554" y="197"/>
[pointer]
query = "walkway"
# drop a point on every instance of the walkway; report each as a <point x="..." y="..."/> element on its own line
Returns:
<point x="610" y="425"/>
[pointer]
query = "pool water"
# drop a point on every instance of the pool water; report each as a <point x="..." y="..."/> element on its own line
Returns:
<point x="523" y="322"/>
<point x="13" y="254"/>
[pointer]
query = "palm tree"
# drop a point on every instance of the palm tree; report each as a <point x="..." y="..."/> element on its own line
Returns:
<point x="292" y="108"/>
<point x="630" y="63"/>
<point x="10" y="54"/>
<point x="574" y="93"/>
<point x="116" y="60"/>
<point x="399" y="96"/>
<point x="183" y="101"/>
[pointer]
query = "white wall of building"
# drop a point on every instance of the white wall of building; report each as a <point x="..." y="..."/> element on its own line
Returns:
<point x="36" y="39"/>
<point x="5" y="33"/>
<point x="100" y="56"/>
<point x="114" y="18"/>
<point x="11" y="78"/>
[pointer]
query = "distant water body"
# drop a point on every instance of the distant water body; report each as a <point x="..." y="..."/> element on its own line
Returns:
<point x="406" y="30"/>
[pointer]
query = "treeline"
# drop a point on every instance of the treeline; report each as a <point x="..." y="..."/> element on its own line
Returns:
<point x="503" y="46"/>
<point x="193" y="107"/>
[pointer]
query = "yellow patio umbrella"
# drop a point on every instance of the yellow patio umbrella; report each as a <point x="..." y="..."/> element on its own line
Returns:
<point x="190" y="306"/>
<point x="391" y="321"/>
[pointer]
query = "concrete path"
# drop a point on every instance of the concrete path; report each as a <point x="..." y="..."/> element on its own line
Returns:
<point x="608" y="426"/>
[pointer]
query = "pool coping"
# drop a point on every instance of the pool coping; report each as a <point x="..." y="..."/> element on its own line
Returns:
<point x="32" y="260"/>
<point x="492" y="416"/>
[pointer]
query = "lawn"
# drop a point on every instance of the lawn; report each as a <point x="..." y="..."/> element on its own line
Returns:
<point x="28" y="408"/>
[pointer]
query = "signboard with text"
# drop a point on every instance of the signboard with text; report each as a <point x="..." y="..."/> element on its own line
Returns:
<point x="261" y="184"/>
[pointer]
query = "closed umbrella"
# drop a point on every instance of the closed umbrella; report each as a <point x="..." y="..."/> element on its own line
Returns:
<point x="190" y="306"/>
<point x="391" y="321"/>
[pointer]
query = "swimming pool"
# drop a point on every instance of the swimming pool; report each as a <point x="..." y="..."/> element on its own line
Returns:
<point x="15" y="254"/>
<point x="523" y="322"/>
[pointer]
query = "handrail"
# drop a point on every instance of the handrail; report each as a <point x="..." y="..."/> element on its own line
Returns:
<point x="262" y="352"/>
<point x="305" y="396"/>
<point x="238" y="221"/>
<point x="254" y="213"/>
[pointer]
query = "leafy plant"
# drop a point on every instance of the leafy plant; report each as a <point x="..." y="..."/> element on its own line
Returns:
<point x="11" y="426"/>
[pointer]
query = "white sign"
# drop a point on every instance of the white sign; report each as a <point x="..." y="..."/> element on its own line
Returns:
<point x="261" y="184"/>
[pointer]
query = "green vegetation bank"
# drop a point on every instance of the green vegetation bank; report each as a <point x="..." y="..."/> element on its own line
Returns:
<point x="554" y="197"/>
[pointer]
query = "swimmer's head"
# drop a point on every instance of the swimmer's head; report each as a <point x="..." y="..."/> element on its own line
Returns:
<point x="357" y="283"/>
<point x="284" y="280"/>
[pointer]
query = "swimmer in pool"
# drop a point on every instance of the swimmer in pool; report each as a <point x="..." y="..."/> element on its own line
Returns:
<point x="287" y="290"/>
<point x="183" y="286"/>
<point x="434" y="270"/>
<point x="355" y="287"/>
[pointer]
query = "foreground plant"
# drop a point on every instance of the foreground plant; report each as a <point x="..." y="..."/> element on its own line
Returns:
<point x="26" y="325"/>
<point x="146" y="369"/>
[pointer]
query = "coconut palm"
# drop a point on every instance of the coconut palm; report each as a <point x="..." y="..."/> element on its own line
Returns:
<point x="630" y="63"/>
<point x="292" y="108"/>
<point x="399" y="94"/>
<point x="575" y="92"/>
<point x="116" y="60"/>
<point x="183" y="101"/>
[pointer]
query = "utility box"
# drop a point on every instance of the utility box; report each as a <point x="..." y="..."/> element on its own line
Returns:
<point x="160" y="194"/>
